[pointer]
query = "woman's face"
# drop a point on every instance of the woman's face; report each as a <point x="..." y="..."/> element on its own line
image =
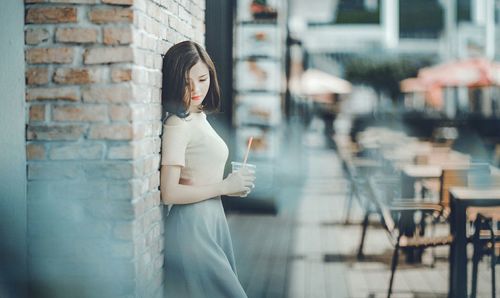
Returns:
<point x="199" y="82"/>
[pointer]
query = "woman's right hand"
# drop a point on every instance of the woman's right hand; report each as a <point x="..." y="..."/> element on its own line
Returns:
<point x="239" y="182"/>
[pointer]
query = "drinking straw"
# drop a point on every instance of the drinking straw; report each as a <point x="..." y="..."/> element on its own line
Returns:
<point x="248" y="150"/>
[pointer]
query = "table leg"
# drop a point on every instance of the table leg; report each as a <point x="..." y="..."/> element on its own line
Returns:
<point x="407" y="222"/>
<point x="458" y="251"/>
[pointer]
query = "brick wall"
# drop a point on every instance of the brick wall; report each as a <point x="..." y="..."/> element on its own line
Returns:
<point x="93" y="75"/>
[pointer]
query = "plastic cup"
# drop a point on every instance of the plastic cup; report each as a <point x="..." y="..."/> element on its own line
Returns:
<point x="235" y="165"/>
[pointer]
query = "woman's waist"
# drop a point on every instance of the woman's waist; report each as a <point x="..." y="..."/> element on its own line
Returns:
<point x="209" y="206"/>
<point x="199" y="180"/>
<point x="202" y="172"/>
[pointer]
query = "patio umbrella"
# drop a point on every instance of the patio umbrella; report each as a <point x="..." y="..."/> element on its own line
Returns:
<point x="412" y="85"/>
<point x="316" y="82"/>
<point x="496" y="73"/>
<point x="433" y="93"/>
<point x="474" y="72"/>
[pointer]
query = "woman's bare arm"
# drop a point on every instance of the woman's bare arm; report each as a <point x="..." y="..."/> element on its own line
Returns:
<point x="172" y="192"/>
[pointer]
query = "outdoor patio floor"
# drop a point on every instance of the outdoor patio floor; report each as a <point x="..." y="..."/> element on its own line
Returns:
<point x="309" y="252"/>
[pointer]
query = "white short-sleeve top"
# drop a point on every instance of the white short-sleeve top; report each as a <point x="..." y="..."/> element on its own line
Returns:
<point x="194" y="145"/>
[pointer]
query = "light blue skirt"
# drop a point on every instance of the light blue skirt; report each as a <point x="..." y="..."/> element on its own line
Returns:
<point x="199" y="258"/>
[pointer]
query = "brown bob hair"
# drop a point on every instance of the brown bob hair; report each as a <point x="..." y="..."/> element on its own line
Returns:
<point x="177" y="62"/>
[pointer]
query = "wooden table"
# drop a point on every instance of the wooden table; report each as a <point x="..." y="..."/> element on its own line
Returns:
<point x="414" y="173"/>
<point x="461" y="198"/>
<point x="422" y="171"/>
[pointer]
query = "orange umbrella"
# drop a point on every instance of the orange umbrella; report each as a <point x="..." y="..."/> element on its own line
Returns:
<point x="434" y="97"/>
<point x="496" y="73"/>
<point x="474" y="72"/>
<point x="412" y="85"/>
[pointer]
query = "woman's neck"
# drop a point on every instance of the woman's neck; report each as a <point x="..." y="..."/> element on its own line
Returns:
<point x="195" y="111"/>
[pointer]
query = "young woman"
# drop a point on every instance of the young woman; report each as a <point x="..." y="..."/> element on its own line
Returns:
<point x="199" y="259"/>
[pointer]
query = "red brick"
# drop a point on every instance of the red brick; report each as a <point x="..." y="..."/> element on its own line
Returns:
<point x="114" y="94"/>
<point x="51" y="15"/>
<point x="121" y="75"/>
<point x="119" y="2"/>
<point x="55" y="132"/>
<point x="89" y="113"/>
<point x="120" y="113"/>
<point x="77" y="76"/>
<point x="37" y="76"/>
<point x="74" y="151"/>
<point x="121" y="152"/>
<point x="35" y="151"/>
<point x="117" y="36"/>
<point x="76" y="35"/>
<point x="111" y="132"/>
<point x="37" y="113"/>
<point x="36" y="36"/>
<point x="76" y="1"/>
<point x="52" y="94"/>
<point x="111" y="15"/>
<point x="49" y="55"/>
<point x="108" y="55"/>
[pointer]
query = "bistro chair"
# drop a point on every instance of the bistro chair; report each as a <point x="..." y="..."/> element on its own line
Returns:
<point x="469" y="175"/>
<point x="355" y="171"/>
<point x="380" y="191"/>
<point x="486" y="240"/>
<point x="459" y="176"/>
<point x="486" y="236"/>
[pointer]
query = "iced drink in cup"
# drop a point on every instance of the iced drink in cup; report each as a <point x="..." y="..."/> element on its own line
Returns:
<point x="238" y="165"/>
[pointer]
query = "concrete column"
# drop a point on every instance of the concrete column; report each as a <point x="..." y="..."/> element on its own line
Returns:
<point x="451" y="29"/>
<point x="13" y="154"/>
<point x="490" y="29"/>
<point x="390" y="22"/>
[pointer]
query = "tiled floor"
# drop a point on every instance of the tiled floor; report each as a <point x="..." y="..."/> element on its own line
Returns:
<point x="309" y="253"/>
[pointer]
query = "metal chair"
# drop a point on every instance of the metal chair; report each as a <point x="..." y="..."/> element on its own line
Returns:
<point x="380" y="190"/>
<point x="486" y="241"/>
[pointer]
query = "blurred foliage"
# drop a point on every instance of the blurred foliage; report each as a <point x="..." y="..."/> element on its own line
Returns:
<point x="384" y="75"/>
<point x="354" y="12"/>
<point x="357" y="17"/>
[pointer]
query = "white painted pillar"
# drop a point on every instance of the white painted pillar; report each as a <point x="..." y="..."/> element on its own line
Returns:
<point x="451" y="29"/>
<point x="390" y="22"/>
<point x="478" y="11"/>
<point x="490" y="28"/>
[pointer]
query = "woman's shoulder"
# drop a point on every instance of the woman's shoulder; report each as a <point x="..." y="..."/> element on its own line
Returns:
<point x="175" y="127"/>
<point x="174" y="120"/>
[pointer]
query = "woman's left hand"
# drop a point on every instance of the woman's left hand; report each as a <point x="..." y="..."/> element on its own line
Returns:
<point x="241" y="194"/>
